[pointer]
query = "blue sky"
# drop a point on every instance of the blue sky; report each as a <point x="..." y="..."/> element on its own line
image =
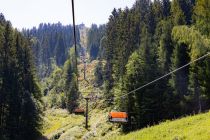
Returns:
<point x="29" y="13"/>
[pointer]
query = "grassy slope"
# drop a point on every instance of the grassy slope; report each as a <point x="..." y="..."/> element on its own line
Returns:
<point x="58" y="121"/>
<point x="60" y="125"/>
<point x="190" y="128"/>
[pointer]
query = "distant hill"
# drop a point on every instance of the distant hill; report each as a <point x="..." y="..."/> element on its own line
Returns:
<point x="50" y="45"/>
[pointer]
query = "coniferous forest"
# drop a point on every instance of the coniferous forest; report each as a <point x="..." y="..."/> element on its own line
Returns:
<point x="51" y="43"/>
<point x="136" y="46"/>
<point x="148" y="41"/>
<point x="20" y="94"/>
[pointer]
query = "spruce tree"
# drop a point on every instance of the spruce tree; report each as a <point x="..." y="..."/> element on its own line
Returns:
<point x="71" y="88"/>
<point x="17" y="77"/>
<point x="60" y="52"/>
<point x="202" y="16"/>
<point x="166" y="8"/>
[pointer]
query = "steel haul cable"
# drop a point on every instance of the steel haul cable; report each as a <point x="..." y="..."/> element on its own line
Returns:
<point x="202" y="57"/>
<point x="75" y="42"/>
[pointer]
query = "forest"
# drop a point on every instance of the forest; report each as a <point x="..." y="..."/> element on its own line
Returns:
<point x="20" y="94"/>
<point x="51" y="43"/>
<point x="137" y="45"/>
<point x="148" y="41"/>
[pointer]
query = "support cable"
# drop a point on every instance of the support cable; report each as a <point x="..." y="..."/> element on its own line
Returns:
<point x="75" y="42"/>
<point x="200" y="58"/>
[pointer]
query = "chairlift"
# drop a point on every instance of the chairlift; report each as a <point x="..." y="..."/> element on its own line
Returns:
<point x="79" y="111"/>
<point x="118" y="117"/>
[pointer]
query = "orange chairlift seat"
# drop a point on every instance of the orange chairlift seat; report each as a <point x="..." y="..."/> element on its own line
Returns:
<point x="121" y="117"/>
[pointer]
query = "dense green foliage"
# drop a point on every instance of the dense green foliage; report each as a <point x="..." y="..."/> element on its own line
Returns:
<point x="136" y="46"/>
<point x="51" y="42"/>
<point x="53" y="49"/>
<point x="150" y="40"/>
<point x="71" y="87"/>
<point x="60" y="88"/>
<point x="20" y="95"/>
<point x="94" y="40"/>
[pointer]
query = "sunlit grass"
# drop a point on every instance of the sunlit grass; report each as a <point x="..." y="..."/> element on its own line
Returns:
<point x="60" y="125"/>
<point x="190" y="128"/>
<point x="58" y="121"/>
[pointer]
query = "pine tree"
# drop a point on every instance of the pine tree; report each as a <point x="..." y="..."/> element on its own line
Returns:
<point x="166" y="8"/>
<point x="71" y="87"/>
<point x="16" y="63"/>
<point x="203" y="77"/>
<point x="202" y="16"/>
<point x="177" y="12"/>
<point x="110" y="51"/>
<point x="191" y="37"/>
<point x="179" y="81"/>
<point x="140" y="70"/>
<point x="164" y="53"/>
<point x="200" y="72"/>
<point x="99" y="73"/>
<point x="60" y="53"/>
<point x="164" y="44"/>
<point x="7" y="78"/>
<point x="2" y="94"/>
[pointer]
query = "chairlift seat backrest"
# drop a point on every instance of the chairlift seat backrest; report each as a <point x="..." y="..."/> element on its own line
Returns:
<point x="118" y="117"/>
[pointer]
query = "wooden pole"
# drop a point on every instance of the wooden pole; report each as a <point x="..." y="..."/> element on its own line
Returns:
<point x="86" y="113"/>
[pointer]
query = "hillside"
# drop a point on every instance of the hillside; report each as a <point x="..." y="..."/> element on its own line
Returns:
<point x="60" y="125"/>
<point x="189" y="128"/>
<point x="137" y="74"/>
